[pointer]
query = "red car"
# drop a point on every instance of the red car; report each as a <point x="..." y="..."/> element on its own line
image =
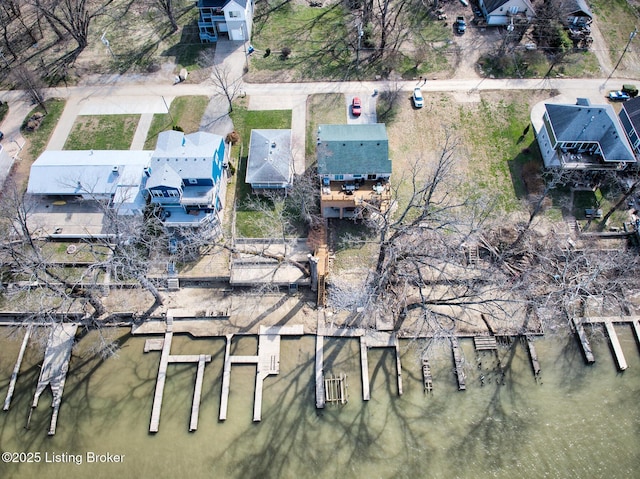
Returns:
<point x="356" y="107"/>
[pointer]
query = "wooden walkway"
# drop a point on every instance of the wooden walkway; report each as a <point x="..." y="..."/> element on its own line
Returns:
<point x="459" y="363"/>
<point x="54" y="368"/>
<point x="320" y="392"/>
<point x="16" y="368"/>
<point x="160" y="381"/>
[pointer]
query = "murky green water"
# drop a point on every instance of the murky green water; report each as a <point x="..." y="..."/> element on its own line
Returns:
<point x="582" y="421"/>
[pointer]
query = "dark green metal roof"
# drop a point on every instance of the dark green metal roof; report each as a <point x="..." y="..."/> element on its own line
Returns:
<point x="353" y="149"/>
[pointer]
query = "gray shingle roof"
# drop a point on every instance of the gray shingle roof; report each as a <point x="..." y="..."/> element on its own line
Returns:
<point x="349" y="149"/>
<point x="191" y="156"/>
<point x="575" y="123"/>
<point x="632" y="107"/>
<point x="269" y="156"/>
<point x="164" y="175"/>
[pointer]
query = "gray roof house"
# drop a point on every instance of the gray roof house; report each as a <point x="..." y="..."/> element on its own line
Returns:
<point x="270" y="162"/>
<point x="576" y="12"/>
<point x="581" y="136"/>
<point x="354" y="169"/>
<point x="630" y="119"/>
<point x="501" y="12"/>
<point x="117" y="176"/>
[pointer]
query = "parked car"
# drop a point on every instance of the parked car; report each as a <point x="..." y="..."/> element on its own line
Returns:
<point x="418" y="100"/>
<point x="356" y="106"/>
<point x="618" y="95"/>
<point x="460" y="25"/>
<point x="630" y="90"/>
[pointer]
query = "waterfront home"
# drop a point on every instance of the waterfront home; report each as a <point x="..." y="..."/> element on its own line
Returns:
<point x="354" y="169"/>
<point x="581" y="136"/>
<point x="187" y="177"/>
<point x="270" y="162"/>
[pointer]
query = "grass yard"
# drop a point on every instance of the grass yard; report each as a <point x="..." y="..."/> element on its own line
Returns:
<point x="184" y="111"/>
<point x="616" y="20"/>
<point x="250" y="223"/>
<point x="103" y="132"/>
<point x="321" y="43"/>
<point x="323" y="109"/>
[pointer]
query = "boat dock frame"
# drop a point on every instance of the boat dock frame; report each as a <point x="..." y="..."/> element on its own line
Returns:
<point x="608" y="322"/>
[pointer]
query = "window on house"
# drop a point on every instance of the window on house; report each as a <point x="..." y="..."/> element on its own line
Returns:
<point x="339" y="177"/>
<point x="372" y="177"/>
<point x="174" y="193"/>
<point x="234" y="14"/>
<point x="157" y="193"/>
<point x="193" y="181"/>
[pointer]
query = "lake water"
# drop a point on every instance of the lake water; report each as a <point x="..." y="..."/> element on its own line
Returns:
<point x="581" y="421"/>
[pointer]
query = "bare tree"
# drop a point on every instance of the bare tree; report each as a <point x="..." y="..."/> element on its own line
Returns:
<point x="73" y="17"/>
<point x="230" y="87"/>
<point x="32" y="84"/>
<point x="168" y="8"/>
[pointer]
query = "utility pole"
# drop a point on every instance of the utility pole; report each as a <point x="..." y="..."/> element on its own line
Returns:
<point x="360" y="34"/>
<point x="631" y="37"/>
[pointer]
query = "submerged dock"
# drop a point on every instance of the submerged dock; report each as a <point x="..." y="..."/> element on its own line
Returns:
<point x="427" y="378"/>
<point x="584" y="341"/>
<point x="533" y="355"/>
<point x="54" y="368"/>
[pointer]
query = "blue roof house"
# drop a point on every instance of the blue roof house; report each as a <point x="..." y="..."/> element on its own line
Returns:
<point x="187" y="178"/>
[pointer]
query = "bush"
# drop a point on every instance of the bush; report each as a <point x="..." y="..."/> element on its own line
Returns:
<point x="177" y="128"/>
<point x="267" y="52"/>
<point x="4" y="108"/>
<point x="232" y="169"/>
<point x="233" y="137"/>
<point x="284" y="53"/>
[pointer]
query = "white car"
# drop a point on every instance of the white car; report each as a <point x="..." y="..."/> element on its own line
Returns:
<point x="418" y="100"/>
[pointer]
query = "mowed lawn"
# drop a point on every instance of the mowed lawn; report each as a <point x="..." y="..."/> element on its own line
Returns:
<point x="102" y="132"/>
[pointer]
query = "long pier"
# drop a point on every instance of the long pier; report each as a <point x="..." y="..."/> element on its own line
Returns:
<point x="320" y="387"/>
<point x="54" y="368"/>
<point x="16" y="368"/>
<point x="459" y="364"/>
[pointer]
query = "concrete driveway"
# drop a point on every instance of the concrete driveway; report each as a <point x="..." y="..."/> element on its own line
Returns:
<point x="368" y="114"/>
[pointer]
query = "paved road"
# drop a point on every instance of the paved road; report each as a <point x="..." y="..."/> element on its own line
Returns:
<point x="152" y="95"/>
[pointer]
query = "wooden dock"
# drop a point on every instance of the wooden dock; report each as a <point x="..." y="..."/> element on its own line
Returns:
<point x="197" y="392"/>
<point x="55" y="366"/>
<point x="16" y="368"/>
<point x="459" y="363"/>
<point x="615" y="345"/>
<point x="485" y="343"/>
<point x="320" y="391"/>
<point x="426" y="375"/>
<point x="160" y="381"/>
<point x="267" y="363"/>
<point x="584" y="341"/>
<point x="533" y="355"/>
<point x="364" y="366"/>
